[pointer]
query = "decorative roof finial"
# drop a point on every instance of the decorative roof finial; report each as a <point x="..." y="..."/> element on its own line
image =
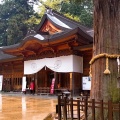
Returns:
<point x="49" y="11"/>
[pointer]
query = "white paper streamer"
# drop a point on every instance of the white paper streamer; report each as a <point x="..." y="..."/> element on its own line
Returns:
<point x="118" y="62"/>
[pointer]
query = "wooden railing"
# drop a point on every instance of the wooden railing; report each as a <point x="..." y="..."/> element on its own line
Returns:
<point x="69" y="108"/>
<point x="43" y="90"/>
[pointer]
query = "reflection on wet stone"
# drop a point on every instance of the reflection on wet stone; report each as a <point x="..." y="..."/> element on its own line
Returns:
<point x="26" y="107"/>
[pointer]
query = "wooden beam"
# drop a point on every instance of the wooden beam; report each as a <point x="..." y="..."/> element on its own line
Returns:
<point x="31" y="51"/>
<point x="83" y="47"/>
<point x="11" y="59"/>
<point x="45" y="49"/>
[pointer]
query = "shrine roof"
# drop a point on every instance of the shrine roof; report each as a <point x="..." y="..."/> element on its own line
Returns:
<point x="4" y="56"/>
<point x="62" y="22"/>
<point x="60" y="34"/>
<point x="52" y="28"/>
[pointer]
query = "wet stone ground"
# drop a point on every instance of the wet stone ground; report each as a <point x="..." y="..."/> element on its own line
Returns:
<point x="18" y="106"/>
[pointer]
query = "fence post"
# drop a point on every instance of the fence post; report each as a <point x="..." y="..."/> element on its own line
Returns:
<point x="71" y="108"/>
<point x="65" y="109"/>
<point x="93" y="109"/>
<point x="110" y="110"/>
<point x="82" y="103"/>
<point x="85" y="110"/>
<point x="101" y="110"/>
<point x="59" y="107"/>
<point x="78" y="109"/>
<point x="119" y="110"/>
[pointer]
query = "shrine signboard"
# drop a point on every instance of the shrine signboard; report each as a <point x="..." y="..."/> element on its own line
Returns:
<point x="86" y="83"/>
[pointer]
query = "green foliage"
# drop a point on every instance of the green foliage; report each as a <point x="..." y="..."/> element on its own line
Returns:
<point x="81" y="12"/>
<point x="14" y="15"/>
<point x="54" y="4"/>
<point x="78" y="1"/>
<point x="76" y="18"/>
<point x="86" y="18"/>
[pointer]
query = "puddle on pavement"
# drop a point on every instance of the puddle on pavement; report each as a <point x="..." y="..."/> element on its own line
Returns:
<point x="26" y="107"/>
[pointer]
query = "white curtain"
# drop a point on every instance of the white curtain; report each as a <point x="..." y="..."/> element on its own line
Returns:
<point x="64" y="64"/>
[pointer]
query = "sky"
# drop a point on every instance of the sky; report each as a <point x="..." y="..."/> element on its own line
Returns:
<point x="0" y="1"/>
<point x="35" y="7"/>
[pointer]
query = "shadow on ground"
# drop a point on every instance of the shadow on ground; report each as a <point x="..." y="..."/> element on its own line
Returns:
<point x="50" y="116"/>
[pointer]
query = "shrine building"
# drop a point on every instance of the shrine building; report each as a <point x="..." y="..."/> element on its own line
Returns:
<point x="58" y="48"/>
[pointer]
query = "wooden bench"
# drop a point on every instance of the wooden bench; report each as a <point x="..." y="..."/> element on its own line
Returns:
<point x="43" y="91"/>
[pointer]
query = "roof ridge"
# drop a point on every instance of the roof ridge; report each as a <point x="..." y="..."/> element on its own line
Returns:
<point x="71" y="20"/>
<point x="62" y="15"/>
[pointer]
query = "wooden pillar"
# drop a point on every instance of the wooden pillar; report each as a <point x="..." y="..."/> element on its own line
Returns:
<point x="59" y="80"/>
<point x="45" y="78"/>
<point x="12" y="82"/>
<point x="72" y="83"/>
<point x="56" y="79"/>
<point x="12" y="77"/>
<point x="36" y="86"/>
<point x="3" y="86"/>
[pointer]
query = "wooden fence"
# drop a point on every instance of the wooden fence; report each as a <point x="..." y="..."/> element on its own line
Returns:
<point x="69" y="108"/>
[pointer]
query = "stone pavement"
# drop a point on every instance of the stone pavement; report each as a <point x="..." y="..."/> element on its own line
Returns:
<point x="18" y="106"/>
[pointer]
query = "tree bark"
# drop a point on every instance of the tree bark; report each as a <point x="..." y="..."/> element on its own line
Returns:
<point x="106" y="40"/>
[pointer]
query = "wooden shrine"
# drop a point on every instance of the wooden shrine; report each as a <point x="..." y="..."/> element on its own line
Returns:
<point x="55" y="36"/>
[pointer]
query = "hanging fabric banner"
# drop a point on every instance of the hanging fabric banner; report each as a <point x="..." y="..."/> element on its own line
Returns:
<point x="52" y="86"/>
<point x="24" y="83"/>
<point x="1" y="102"/>
<point x="71" y="63"/>
<point x="1" y="81"/>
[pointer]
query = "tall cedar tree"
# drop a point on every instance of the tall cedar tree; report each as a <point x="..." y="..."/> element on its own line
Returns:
<point x="106" y="40"/>
<point x="13" y="20"/>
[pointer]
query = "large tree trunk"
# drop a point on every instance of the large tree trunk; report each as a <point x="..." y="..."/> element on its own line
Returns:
<point x="106" y="40"/>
